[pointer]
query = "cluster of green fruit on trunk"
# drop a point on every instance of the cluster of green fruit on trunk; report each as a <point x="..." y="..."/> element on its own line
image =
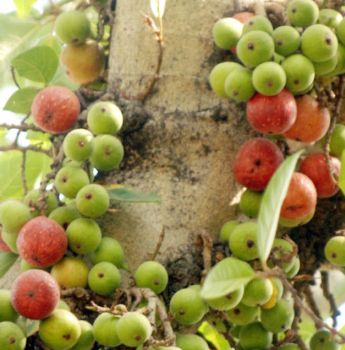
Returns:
<point x="290" y="56"/>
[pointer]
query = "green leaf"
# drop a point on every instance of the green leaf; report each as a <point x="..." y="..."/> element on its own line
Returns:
<point x="6" y="261"/>
<point x="271" y="204"/>
<point x="211" y="334"/>
<point x="24" y="7"/>
<point x="228" y="275"/>
<point x="128" y="195"/>
<point x="341" y="181"/>
<point x="158" y="7"/>
<point x="37" y="64"/>
<point x="21" y="100"/>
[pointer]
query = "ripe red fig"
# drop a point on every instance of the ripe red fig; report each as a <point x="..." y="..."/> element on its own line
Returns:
<point x="255" y="163"/>
<point x="55" y="109"/>
<point x="35" y="294"/>
<point x="272" y="114"/>
<point x="42" y="242"/>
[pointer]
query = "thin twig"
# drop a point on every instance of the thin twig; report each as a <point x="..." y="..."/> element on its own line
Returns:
<point x="311" y="302"/>
<point x="14" y="147"/>
<point x="159" y="244"/>
<point x="21" y="127"/>
<point x="14" y="78"/>
<point x="329" y="296"/>
<point x="207" y="244"/>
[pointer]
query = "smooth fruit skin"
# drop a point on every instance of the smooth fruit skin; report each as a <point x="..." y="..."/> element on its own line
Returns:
<point x="42" y="242"/>
<point x="10" y="239"/>
<point x="187" y="306"/>
<point x="243" y="241"/>
<point x="80" y="70"/>
<point x="13" y="215"/>
<point x="340" y="30"/>
<point x="242" y="314"/>
<point x="7" y="312"/>
<point x="302" y="13"/>
<point x="69" y="180"/>
<point x="312" y="121"/>
<point x="239" y="86"/>
<point x="191" y="342"/>
<point x="260" y="23"/>
<point x="254" y="336"/>
<point x="92" y="201"/>
<point x="72" y="27"/>
<point x="226" y="230"/>
<point x="107" y="152"/>
<point x="3" y="246"/>
<point x="257" y="292"/>
<point x="279" y="318"/>
<point x="84" y="235"/>
<point x="326" y="67"/>
<point x="77" y="144"/>
<point x="109" y="250"/>
<point x="272" y="114"/>
<point x="55" y="109"/>
<point x="255" y="163"/>
<point x="104" y="278"/>
<point x="335" y="250"/>
<point x="286" y="40"/>
<point x="104" y="118"/>
<point x="337" y="144"/>
<point x="60" y="331"/>
<point x="330" y="18"/>
<point x="86" y="339"/>
<point x="255" y="47"/>
<point x="152" y="275"/>
<point x="323" y="340"/>
<point x="35" y="294"/>
<point x="70" y="272"/>
<point x="64" y="215"/>
<point x="226" y="32"/>
<point x="289" y="346"/>
<point x="316" y="168"/>
<point x="104" y="330"/>
<point x="218" y="75"/>
<point x="11" y="337"/>
<point x="227" y="302"/>
<point x="33" y="198"/>
<point x="250" y="203"/>
<point x="134" y="329"/>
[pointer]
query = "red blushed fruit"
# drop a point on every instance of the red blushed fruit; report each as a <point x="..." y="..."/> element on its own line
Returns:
<point x="300" y="201"/>
<point x="315" y="167"/>
<point x="272" y="114"/>
<point x="35" y="294"/>
<point x="42" y="242"/>
<point x="3" y="246"/>
<point x="312" y="121"/>
<point x="255" y="163"/>
<point x="55" y="109"/>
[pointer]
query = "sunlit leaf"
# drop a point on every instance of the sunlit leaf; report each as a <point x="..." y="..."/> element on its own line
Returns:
<point x="158" y="7"/>
<point x="24" y="7"/>
<point x="21" y="100"/>
<point x="6" y="262"/>
<point x="228" y="275"/>
<point x="128" y="195"/>
<point x="271" y="204"/>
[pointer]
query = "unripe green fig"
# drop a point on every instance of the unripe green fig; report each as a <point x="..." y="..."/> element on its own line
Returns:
<point x="63" y="305"/>
<point x="70" y="272"/>
<point x="278" y="58"/>
<point x="326" y="67"/>
<point x="227" y="302"/>
<point x="10" y="240"/>
<point x="341" y="31"/>
<point x="279" y="318"/>
<point x="13" y="215"/>
<point x="239" y="86"/>
<point x="278" y="290"/>
<point x="11" y="337"/>
<point x="250" y="203"/>
<point x="107" y="152"/>
<point x="72" y="27"/>
<point x="104" y="278"/>
<point x="69" y="180"/>
<point x="134" y="329"/>
<point x="77" y="144"/>
<point x="269" y="78"/>
<point x="289" y="346"/>
<point x="302" y="13"/>
<point x="226" y="230"/>
<point x="226" y="32"/>
<point x="109" y="250"/>
<point x="104" y="118"/>
<point x="242" y="241"/>
<point x="283" y="254"/>
<point x="105" y="331"/>
<point x="242" y="314"/>
<point x="64" y="215"/>
<point x="33" y="198"/>
<point x="257" y="292"/>
<point x="286" y="40"/>
<point x="86" y="339"/>
<point x="330" y="18"/>
<point x="255" y="336"/>
<point x="337" y="144"/>
<point x="335" y="250"/>
<point x="84" y="235"/>
<point x="153" y="275"/>
<point x="260" y="23"/>
<point x="7" y="312"/>
<point x="254" y="48"/>
<point x="187" y="306"/>
<point x="323" y="340"/>
<point x="92" y="201"/>
<point x="191" y="342"/>
<point x="293" y="271"/>
<point x="60" y="331"/>
<point x="219" y="74"/>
